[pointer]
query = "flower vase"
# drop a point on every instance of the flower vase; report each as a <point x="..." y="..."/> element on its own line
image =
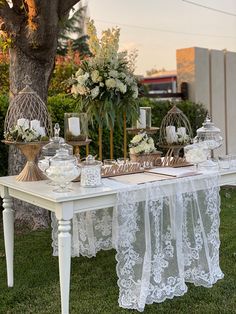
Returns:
<point x="31" y="171"/>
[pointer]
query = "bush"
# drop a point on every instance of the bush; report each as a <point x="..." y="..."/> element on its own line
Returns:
<point x="196" y="113"/>
<point x="61" y="103"/>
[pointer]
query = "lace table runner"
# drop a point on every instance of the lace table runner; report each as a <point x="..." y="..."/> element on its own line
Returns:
<point x="168" y="238"/>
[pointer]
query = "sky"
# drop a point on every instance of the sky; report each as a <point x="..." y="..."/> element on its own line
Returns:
<point x="156" y="28"/>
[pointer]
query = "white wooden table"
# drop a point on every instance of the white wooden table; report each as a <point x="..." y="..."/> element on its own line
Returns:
<point x="64" y="205"/>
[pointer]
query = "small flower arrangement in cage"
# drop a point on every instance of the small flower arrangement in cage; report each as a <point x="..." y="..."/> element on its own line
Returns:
<point x="27" y="126"/>
<point x="26" y="131"/>
<point x="175" y="128"/>
<point x="27" y="118"/>
<point x="143" y="150"/>
<point x="175" y="133"/>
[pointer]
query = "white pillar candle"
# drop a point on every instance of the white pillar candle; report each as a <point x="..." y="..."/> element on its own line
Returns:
<point x="35" y="124"/>
<point x="24" y="123"/>
<point x="142" y="119"/>
<point x="74" y="126"/>
<point x="41" y="131"/>
<point x="171" y="135"/>
<point x="181" y="131"/>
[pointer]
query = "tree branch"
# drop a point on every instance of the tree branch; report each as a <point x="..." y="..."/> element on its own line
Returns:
<point x="32" y="14"/>
<point x="65" y="6"/>
<point x="8" y="18"/>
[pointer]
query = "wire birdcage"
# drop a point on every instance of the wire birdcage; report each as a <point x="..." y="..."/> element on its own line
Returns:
<point x="175" y="133"/>
<point x="27" y="110"/>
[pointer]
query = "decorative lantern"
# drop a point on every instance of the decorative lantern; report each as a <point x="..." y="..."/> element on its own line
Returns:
<point x="28" y="125"/>
<point x="76" y="127"/>
<point x="175" y="133"/>
<point x="28" y="111"/>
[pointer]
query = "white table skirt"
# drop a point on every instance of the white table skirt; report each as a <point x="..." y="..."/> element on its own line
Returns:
<point x="164" y="239"/>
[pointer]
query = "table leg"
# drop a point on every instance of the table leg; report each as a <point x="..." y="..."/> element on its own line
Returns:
<point x="64" y="254"/>
<point x="8" y="228"/>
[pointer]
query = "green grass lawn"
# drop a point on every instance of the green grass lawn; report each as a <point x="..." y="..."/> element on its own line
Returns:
<point x="94" y="282"/>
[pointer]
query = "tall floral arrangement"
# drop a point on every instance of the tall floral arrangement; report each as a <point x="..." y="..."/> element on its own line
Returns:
<point x="105" y="83"/>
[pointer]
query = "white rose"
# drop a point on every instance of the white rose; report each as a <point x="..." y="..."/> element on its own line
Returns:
<point x="95" y="92"/>
<point x="136" y="139"/>
<point x="95" y="76"/>
<point x="82" y="78"/>
<point x="110" y="83"/>
<point x="121" y="86"/>
<point x="113" y="73"/>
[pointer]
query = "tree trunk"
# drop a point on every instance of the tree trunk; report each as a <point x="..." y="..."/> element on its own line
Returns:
<point x="33" y="27"/>
<point x="27" y="215"/>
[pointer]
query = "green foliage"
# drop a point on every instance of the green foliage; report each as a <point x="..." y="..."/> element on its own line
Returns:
<point x="61" y="74"/>
<point x="3" y="147"/>
<point x="94" y="280"/>
<point x="196" y="113"/>
<point x="72" y="32"/>
<point x="4" y="77"/>
<point x="62" y="103"/>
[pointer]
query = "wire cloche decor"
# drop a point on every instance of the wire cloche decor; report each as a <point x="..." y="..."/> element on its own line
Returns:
<point x="27" y="118"/>
<point x="27" y="126"/>
<point x="175" y="133"/>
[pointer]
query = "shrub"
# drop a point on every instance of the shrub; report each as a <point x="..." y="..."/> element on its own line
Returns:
<point x="61" y="103"/>
<point x="196" y="113"/>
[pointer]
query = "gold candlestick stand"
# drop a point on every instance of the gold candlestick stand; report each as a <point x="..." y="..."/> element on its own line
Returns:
<point x="31" y="171"/>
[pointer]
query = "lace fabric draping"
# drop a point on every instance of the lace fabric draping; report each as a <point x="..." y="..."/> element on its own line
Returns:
<point x="165" y="234"/>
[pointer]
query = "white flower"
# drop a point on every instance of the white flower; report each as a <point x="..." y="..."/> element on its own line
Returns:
<point x="79" y="72"/>
<point x="110" y="83"/>
<point x="82" y="78"/>
<point x="121" y="86"/>
<point x="95" y="76"/>
<point x="142" y="143"/>
<point x="113" y="73"/>
<point x="137" y="138"/>
<point x="95" y="92"/>
<point x="135" y="91"/>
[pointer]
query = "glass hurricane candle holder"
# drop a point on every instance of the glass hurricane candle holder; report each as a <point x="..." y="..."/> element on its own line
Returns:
<point x="145" y="119"/>
<point x="76" y="127"/>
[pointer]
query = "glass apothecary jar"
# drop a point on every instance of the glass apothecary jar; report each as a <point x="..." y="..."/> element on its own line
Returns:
<point x="209" y="135"/>
<point x="49" y="150"/>
<point x="90" y="172"/>
<point x="76" y="127"/>
<point x="63" y="169"/>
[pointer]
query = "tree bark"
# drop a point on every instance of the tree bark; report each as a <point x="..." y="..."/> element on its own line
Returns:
<point x="27" y="215"/>
<point x="33" y="29"/>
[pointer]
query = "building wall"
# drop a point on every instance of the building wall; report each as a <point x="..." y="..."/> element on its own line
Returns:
<point x="211" y="78"/>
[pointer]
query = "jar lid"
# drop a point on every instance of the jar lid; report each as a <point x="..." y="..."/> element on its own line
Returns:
<point x="208" y="127"/>
<point x="62" y="154"/>
<point x="55" y="143"/>
<point x="90" y="161"/>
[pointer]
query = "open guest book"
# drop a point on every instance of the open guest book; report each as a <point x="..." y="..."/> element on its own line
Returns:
<point x="156" y="174"/>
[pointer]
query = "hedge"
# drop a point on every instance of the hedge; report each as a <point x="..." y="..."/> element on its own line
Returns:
<point x="61" y="103"/>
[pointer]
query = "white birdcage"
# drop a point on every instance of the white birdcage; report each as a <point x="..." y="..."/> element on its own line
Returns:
<point x="27" y="111"/>
<point x="175" y="133"/>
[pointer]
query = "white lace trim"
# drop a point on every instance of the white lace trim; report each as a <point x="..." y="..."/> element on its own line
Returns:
<point x="162" y="241"/>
